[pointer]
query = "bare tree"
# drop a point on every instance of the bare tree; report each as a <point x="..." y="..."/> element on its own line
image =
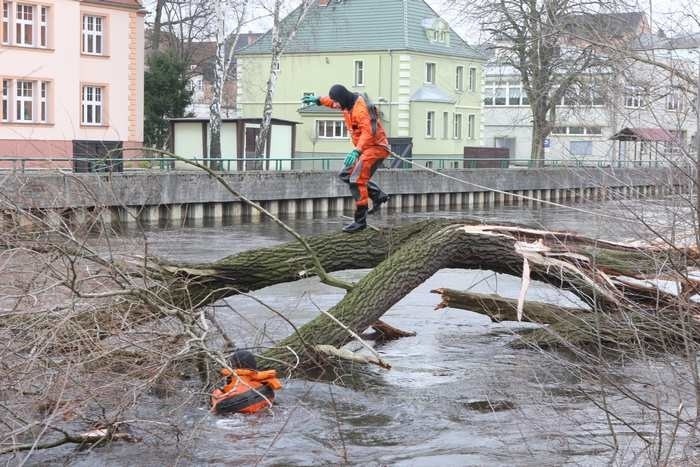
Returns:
<point x="229" y="16"/>
<point x="281" y="33"/>
<point x="534" y="38"/>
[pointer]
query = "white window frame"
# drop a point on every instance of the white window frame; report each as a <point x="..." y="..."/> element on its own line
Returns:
<point x="359" y="67"/>
<point x="587" y="131"/>
<point x="633" y="98"/>
<point x="459" y="78"/>
<point x="445" y="125"/>
<point x="24" y="93"/>
<point x="21" y="24"/>
<point x="457" y="122"/>
<point x="332" y="127"/>
<point x="43" y="102"/>
<point x="471" y="126"/>
<point x="7" y="14"/>
<point x="472" y="79"/>
<point x="5" y="108"/>
<point x="430" y="124"/>
<point x="490" y="94"/>
<point x="90" y="100"/>
<point x="674" y="102"/>
<point x="428" y="67"/>
<point x="93" y="33"/>
<point x="43" y="30"/>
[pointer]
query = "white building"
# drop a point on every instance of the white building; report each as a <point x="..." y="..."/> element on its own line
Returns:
<point x="631" y="96"/>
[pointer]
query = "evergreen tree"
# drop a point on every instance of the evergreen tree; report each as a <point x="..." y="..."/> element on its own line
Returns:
<point x="166" y="95"/>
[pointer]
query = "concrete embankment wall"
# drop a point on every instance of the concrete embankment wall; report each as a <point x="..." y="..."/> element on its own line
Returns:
<point x="194" y="196"/>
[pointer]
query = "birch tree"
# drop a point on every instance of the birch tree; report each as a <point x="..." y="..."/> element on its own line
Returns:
<point x="229" y="18"/>
<point x="282" y="32"/>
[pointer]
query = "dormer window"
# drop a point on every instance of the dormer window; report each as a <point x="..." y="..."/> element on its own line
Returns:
<point x="437" y="30"/>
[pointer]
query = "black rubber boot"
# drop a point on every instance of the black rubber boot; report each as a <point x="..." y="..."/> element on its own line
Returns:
<point x="377" y="202"/>
<point x="360" y="221"/>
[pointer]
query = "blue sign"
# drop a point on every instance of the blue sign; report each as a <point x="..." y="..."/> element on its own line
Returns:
<point x="547" y="143"/>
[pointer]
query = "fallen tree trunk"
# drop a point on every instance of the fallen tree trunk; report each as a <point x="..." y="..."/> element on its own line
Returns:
<point x="497" y="248"/>
<point x="578" y="327"/>
<point x="598" y="272"/>
<point x="505" y="309"/>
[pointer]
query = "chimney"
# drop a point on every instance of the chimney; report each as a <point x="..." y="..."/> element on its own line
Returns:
<point x="323" y="2"/>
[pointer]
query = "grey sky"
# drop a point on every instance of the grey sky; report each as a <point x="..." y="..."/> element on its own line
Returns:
<point x="674" y="16"/>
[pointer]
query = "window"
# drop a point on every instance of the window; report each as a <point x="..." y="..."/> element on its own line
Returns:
<point x="471" y="126"/>
<point x="24" y="25"/>
<point x="331" y="129"/>
<point x="459" y="84"/>
<point x="514" y="95"/>
<point x="457" y="128"/>
<point x="43" y="102"/>
<point x="581" y="148"/>
<point x="5" y="116"/>
<point x="93" y="33"/>
<point x="508" y="143"/>
<point x="504" y="93"/>
<point x="577" y="130"/>
<point x="428" y="164"/>
<point x="472" y="79"/>
<point x="359" y="73"/>
<point x="454" y="164"/>
<point x="24" y="101"/>
<point x="633" y="97"/>
<point x="430" y="125"/>
<point x="585" y="93"/>
<point x="92" y="105"/>
<point x="500" y="96"/>
<point x="44" y="27"/>
<point x="6" y="8"/>
<point x="445" y="125"/>
<point x="674" y="101"/>
<point x="430" y="73"/>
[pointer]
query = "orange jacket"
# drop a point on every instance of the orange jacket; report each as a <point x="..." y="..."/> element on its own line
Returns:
<point x="243" y="381"/>
<point x="359" y="124"/>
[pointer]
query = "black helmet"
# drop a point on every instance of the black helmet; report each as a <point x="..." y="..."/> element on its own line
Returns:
<point x="342" y="96"/>
<point x="243" y="359"/>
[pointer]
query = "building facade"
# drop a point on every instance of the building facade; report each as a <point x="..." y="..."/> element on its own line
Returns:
<point x="426" y="81"/>
<point x="72" y="78"/>
<point x="624" y="94"/>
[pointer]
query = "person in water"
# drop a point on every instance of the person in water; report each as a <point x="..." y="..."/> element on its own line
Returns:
<point x="246" y="389"/>
<point x="371" y="148"/>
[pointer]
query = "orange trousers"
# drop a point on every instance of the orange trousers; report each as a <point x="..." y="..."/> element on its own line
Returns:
<point x="358" y="175"/>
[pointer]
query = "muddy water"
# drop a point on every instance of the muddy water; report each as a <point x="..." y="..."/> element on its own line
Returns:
<point x="422" y="412"/>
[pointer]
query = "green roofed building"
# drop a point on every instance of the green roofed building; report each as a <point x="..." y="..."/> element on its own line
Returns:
<point x="425" y="79"/>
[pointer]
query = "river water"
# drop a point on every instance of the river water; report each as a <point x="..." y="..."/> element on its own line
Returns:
<point x="422" y="412"/>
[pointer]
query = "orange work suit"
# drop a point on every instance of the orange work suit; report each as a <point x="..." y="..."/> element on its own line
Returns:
<point x="374" y="148"/>
<point x="246" y="391"/>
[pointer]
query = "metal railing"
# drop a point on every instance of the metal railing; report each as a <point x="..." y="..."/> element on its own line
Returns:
<point x="33" y="164"/>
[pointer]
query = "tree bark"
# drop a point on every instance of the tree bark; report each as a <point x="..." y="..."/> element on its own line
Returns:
<point x="606" y="276"/>
<point x="505" y="309"/>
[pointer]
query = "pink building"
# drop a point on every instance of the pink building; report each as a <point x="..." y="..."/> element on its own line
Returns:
<point x="72" y="78"/>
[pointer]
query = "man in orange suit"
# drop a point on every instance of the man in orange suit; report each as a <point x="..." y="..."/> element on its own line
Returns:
<point x="371" y="148"/>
